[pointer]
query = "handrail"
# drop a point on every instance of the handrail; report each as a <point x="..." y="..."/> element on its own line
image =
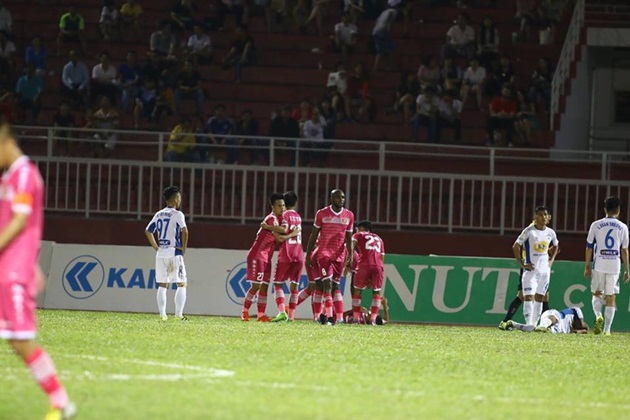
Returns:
<point x="567" y="55"/>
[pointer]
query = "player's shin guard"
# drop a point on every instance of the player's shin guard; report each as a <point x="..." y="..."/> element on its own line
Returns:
<point x="328" y="305"/>
<point x="598" y="304"/>
<point x="180" y="301"/>
<point x="537" y="312"/>
<point x="293" y="302"/>
<point x="376" y="306"/>
<point x="249" y="299"/>
<point x="280" y="298"/>
<point x="516" y="303"/>
<point x="317" y="304"/>
<point x="338" y="304"/>
<point x="262" y="303"/>
<point x="161" y="301"/>
<point x="43" y="371"/>
<point x="356" y="307"/>
<point x="545" y="306"/>
<point x="528" y="312"/>
<point x="608" y="319"/>
<point x="303" y="295"/>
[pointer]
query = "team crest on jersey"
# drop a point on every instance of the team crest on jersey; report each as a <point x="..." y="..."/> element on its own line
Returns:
<point x="542" y="246"/>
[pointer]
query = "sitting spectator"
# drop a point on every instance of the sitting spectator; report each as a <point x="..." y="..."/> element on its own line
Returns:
<point x="150" y="105"/>
<point x="540" y="84"/>
<point x="154" y="69"/>
<point x="71" y="27"/>
<point x="406" y="96"/>
<point x="106" y="118"/>
<point x="130" y="14"/>
<point x="37" y="55"/>
<point x="239" y="8"/>
<point x="6" y="20"/>
<point x="354" y="8"/>
<point x="345" y="37"/>
<point x="473" y="82"/>
<point x="451" y="75"/>
<point x="28" y="92"/>
<point x="488" y="43"/>
<point x="182" y="145"/>
<point x="460" y="40"/>
<point x="109" y="23"/>
<point x="242" y="52"/>
<point x="219" y="126"/>
<point x="427" y="108"/>
<point x="75" y="80"/>
<point x="285" y="127"/>
<point x="104" y="80"/>
<point x="63" y="119"/>
<point x="129" y="76"/>
<point x="550" y="13"/>
<point x="199" y="46"/>
<point x="189" y="86"/>
<point x="314" y="144"/>
<point x="163" y="41"/>
<point x="7" y="63"/>
<point x="183" y="15"/>
<point x="429" y="73"/>
<point x="449" y="115"/>
<point x="502" y="115"/>
<point x="337" y="86"/>
<point x="526" y="118"/>
<point x="330" y="117"/>
<point x="525" y="15"/>
<point x="248" y="126"/>
<point x="303" y="112"/>
<point x="382" y="32"/>
<point x="359" y="95"/>
<point x="502" y="75"/>
<point x="317" y="14"/>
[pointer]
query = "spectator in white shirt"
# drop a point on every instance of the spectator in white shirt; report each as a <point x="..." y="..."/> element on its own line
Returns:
<point x="382" y="32"/>
<point x="75" y="80"/>
<point x="354" y="8"/>
<point x="460" y="40"/>
<point x="314" y="144"/>
<point x="199" y="46"/>
<point x="6" y="20"/>
<point x="109" y="23"/>
<point x="345" y="37"/>
<point x="104" y="80"/>
<point x="427" y="107"/>
<point x="336" y="86"/>
<point x="473" y="82"/>
<point x="449" y="115"/>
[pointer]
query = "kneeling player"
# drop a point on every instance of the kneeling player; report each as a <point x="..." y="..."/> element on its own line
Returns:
<point x="369" y="269"/>
<point x="567" y="321"/>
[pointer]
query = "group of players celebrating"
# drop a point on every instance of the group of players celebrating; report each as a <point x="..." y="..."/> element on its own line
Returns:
<point x="535" y="251"/>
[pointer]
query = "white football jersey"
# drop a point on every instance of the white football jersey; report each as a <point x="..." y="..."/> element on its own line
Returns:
<point x="535" y="243"/>
<point x="565" y="320"/>
<point x="607" y="237"/>
<point x="168" y="223"/>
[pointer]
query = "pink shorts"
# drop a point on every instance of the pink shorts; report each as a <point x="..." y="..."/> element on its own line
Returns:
<point x="312" y="272"/>
<point x="369" y="277"/>
<point x="330" y="269"/>
<point x="17" y="312"/>
<point x="258" y="271"/>
<point x="288" y="271"/>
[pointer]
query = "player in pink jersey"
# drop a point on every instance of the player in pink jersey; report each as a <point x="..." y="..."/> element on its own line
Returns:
<point x="290" y="259"/>
<point x="333" y="230"/>
<point x="369" y="268"/>
<point x="21" y="227"/>
<point x="259" y="258"/>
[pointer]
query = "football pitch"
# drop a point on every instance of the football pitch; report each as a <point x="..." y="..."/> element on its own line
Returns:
<point x="133" y="366"/>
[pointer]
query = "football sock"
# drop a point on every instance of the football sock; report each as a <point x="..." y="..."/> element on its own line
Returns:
<point x="303" y="295"/>
<point x="262" y="303"/>
<point x="328" y="305"/>
<point x="537" y="312"/>
<point x="338" y="303"/>
<point x="545" y="306"/>
<point x="356" y="307"/>
<point x="43" y="370"/>
<point x="280" y="298"/>
<point x="598" y="303"/>
<point x="528" y="311"/>
<point x="180" y="301"/>
<point x="161" y="301"/>
<point x="545" y="322"/>
<point x="376" y="305"/>
<point x="523" y="327"/>
<point x="293" y="299"/>
<point x="610" y="315"/>
<point x="516" y="303"/>
<point x="317" y="303"/>
<point x="249" y="298"/>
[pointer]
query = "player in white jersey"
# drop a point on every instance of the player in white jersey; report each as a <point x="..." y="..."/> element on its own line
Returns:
<point x="567" y="321"/>
<point x="534" y="242"/>
<point x="606" y="248"/>
<point x="169" y="224"/>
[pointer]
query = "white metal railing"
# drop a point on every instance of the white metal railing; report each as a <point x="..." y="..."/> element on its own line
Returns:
<point x="150" y="146"/>
<point x="399" y="200"/>
<point x="567" y="55"/>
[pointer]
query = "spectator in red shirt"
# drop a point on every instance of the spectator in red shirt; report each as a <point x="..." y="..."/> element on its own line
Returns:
<point x="304" y="112"/>
<point x="502" y="115"/>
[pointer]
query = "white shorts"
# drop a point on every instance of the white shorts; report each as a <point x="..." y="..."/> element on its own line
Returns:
<point x="535" y="283"/>
<point x="170" y="269"/>
<point x="604" y="282"/>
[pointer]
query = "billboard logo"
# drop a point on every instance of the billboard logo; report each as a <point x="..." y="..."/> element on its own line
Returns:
<point x="236" y="284"/>
<point x="83" y="277"/>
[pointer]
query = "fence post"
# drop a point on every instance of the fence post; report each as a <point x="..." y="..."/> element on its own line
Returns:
<point x="272" y="152"/>
<point x="604" y="165"/>
<point x="492" y="158"/>
<point x="399" y="204"/>
<point x="161" y="147"/>
<point x="88" y="184"/>
<point x="244" y="197"/>
<point x="451" y="204"/>
<point x="381" y="156"/>
<point x="502" y="223"/>
<point x="49" y="142"/>
<point x="140" y="174"/>
<point x="191" y="194"/>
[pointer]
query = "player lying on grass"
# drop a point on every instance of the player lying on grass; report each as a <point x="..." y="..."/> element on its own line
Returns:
<point x="21" y="228"/>
<point x="259" y="258"/>
<point x="567" y="321"/>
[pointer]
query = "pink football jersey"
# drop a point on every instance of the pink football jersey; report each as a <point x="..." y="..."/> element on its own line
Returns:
<point x="291" y="250"/>
<point x="371" y="249"/>
<point x="332" y="235"/>
<point x="265" y="243"/>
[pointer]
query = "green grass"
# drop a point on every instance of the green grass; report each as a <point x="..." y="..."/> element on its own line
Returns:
<point x="125" y="366"/>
